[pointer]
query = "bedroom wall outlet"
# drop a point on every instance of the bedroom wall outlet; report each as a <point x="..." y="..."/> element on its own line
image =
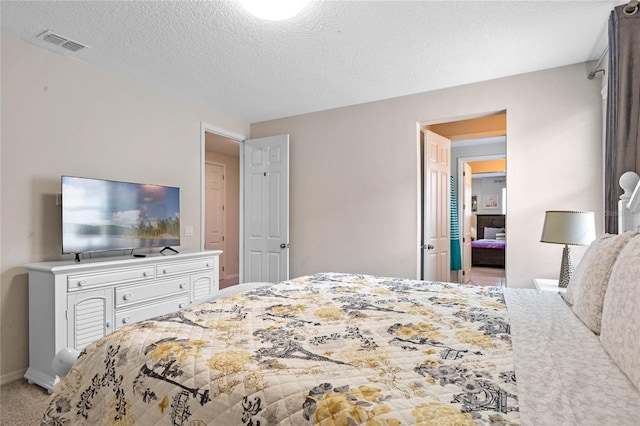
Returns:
<point x="188" y="230"/>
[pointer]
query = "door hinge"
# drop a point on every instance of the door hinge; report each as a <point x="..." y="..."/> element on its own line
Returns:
<point x="223" y="238"/>
<point x="265" y="173"/>
<point x="223" y="269"/>
<point x="464" y="272"/>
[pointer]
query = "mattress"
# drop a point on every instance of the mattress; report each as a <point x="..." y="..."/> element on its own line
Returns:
<point x="350" y="349"/>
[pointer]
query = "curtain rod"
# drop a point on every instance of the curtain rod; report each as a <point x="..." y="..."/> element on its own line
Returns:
<point x="596" y="70"/>
<point x="630" y="9"/>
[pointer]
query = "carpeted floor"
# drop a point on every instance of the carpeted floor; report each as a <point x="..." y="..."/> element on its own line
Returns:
<point x="22" y="404"/>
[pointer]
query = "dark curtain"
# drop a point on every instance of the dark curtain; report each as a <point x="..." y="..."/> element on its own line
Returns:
<point x="622" y="152"/>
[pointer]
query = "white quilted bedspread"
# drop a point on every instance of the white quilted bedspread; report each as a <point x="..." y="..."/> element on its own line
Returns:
<point x="329" y="349"/>
<point x="343" y="349"/>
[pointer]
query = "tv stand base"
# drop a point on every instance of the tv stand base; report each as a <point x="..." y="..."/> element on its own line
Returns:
<point x="170" y="249"/>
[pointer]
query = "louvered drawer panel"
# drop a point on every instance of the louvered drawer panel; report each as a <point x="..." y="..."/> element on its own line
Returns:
<point x="202" y="286"/>
<point x="90" y="321"/>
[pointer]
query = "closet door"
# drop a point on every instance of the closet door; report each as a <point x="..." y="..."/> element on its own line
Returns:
<point x="266" y="209"/>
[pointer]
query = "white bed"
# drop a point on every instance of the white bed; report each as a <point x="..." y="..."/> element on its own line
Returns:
<point x="564" y="374"/>
<point x="354" y="349"/>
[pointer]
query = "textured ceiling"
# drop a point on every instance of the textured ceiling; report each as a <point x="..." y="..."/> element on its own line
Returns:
<point x="334" y="53"/>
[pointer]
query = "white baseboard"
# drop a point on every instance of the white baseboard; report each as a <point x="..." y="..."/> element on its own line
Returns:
<point x="12" y="377"/>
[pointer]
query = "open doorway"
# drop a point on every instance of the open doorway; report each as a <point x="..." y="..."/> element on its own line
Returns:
<point x="482" y="186"/>
<point x="482" y="135"/>
<point x="221" y="214"/>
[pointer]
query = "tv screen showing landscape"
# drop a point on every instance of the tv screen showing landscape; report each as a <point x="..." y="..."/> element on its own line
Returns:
<point x="101" y="215"/>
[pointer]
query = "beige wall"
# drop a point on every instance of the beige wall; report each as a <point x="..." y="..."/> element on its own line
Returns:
<point x="354" y="172"/>
<point x="63" y="116"/>
<point x="232" y="209"/>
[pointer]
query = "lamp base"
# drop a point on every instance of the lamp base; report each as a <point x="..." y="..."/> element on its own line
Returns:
<point x="566" y="270"/>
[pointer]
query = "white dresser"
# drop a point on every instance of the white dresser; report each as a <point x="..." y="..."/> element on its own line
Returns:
<point x="72" y="304"/>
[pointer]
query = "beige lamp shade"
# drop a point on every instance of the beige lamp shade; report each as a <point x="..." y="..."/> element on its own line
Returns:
<point x="569" y="227"/>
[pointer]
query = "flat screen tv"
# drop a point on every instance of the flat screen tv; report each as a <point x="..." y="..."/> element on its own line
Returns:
<point x="103" y="215"/>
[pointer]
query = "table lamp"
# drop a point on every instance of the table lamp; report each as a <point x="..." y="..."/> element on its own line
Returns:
<point x="568" y="228"/>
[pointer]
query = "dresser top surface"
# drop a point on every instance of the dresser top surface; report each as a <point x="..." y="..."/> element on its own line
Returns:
<point x="62" y="266"/>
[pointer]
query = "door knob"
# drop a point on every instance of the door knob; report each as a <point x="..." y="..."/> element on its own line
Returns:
<point x="430" y="247"/>
<point x="283" y="245"/>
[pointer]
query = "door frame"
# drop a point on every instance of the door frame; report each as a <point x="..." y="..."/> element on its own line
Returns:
<point x="223" y="258"/>
<point x="204" y="129"/>
<point x="460" y="195"/>
<point x="462" y="160"/>
<point x="419" y="168"/>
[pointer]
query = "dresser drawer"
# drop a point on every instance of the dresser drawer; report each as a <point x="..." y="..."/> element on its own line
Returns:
<point x="162" y="307"/>
<point x="182" y="267"/>
<point x="129" y="295"/>
<point x="82" y="281"/>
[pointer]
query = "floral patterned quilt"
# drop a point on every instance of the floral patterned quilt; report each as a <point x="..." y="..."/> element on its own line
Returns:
<point x="329" y="349"/>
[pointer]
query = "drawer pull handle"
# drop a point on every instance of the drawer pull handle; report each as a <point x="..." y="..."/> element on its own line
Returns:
<point x="207" y="264"/>
<point x="164" y="271"/>
<point x="145" y="274"/>
<point x="182" y="305"/>
<point x="108" y="325"/>
<point x="181" y="285"/>
<point x="126" y="320"/>
<point x="127" y="296"/>
<point x="81" y="283"/>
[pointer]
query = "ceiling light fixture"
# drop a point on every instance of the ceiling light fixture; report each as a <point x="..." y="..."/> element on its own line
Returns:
<point x="273" y="10"/>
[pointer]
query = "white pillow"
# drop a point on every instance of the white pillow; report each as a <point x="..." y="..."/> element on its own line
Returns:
<point x="586" y="290"/>
<point x="491" y="233"/>
<point x="621" y="313"/>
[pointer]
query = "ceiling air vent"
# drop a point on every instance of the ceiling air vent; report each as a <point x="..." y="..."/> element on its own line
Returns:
<point x="61" y="41"/>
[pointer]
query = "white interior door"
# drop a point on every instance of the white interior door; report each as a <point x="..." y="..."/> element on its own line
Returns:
<point x="467" y="190"/>
<point x="436" y="208"/>
<point x="215" y="213"/>
<point x="266" y="209"/>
